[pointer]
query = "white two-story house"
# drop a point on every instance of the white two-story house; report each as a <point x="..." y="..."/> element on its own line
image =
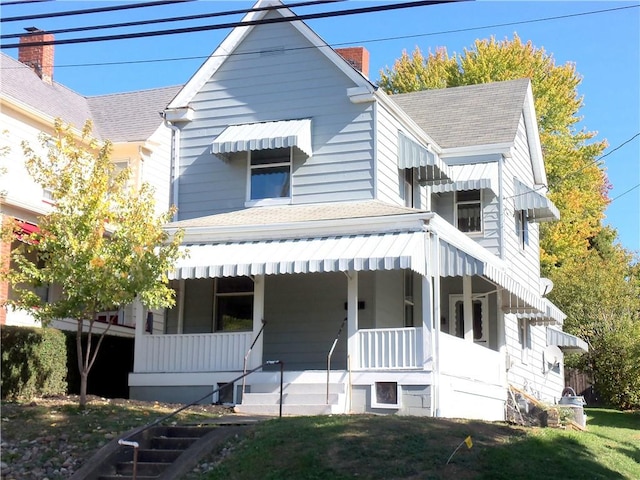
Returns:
<point x="30" y="101"/>
<point x="383" y="248"/>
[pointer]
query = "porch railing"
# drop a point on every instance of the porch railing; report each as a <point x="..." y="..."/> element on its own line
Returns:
<point x="333" y="347"/>
<point x="203" y="352"/>
<point x="390" y="348"/>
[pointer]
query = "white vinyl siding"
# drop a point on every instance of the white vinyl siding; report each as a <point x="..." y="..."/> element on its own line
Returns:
<point x="249" y="87"/>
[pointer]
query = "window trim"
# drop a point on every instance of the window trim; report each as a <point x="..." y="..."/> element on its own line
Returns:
<point x="409" y="298"/>
<point x="217" y="295"/>
<point x="374" y="397"/>
<point x="249" y="202"/>
<point x="456" y="203"/>
<point x="522" y="229"/>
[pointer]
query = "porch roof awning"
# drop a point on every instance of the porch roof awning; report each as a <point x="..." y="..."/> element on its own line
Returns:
<point x="430" y="166"/>
<point x="538" y="207"/>
<point x="471" y="177"/>
<point x="263" y="136"/>
<point x="382" y="251"/>
<point x="516" y="298"/>
<point x="566" y="341"/>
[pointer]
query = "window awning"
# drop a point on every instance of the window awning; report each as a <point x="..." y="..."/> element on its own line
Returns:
<point x="263" y="136"/>
<point x="566" y="341"/>
<point x="384" y="251"/>
<point x="550" y="315"/>
<point x="470" y="177"/>
<point x="538" y="207"/>
<point x="430" y="166"/>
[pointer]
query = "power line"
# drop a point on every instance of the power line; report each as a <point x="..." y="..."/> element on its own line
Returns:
<point x="20" y="2"/>
<point x="176" y="19"/>
<point x="92" y="10"/>
<point x="624" y="193"/>
<point x="264" y="21"/>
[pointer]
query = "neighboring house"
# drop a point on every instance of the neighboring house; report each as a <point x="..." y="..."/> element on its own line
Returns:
<point x="30" y="101"/>
<point x="310" y="198"/>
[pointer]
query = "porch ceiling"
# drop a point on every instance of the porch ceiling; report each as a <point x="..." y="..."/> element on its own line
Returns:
<point x="383" y="251"/>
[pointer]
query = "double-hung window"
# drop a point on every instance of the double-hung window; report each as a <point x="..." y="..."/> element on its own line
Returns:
<point x="469" y="211"/>
<point x="522" y="228"/>
<point x="270" y="174"/>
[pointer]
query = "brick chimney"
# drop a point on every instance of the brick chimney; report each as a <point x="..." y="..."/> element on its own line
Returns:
<point x="38" y="57"/>
<point x="358" y="57"/>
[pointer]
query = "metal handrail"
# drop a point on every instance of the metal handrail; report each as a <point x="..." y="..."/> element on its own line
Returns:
<point x="333" y="346"/>
<point x="127" y="442"/>
<point x="248" y="354"/>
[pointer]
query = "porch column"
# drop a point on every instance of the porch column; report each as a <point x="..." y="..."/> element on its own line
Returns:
<point x="353" y="350"/>
<point x="502" y="339"/>
<point x="467" y="308"/>
<point x="429" y="323"/>
<point x="258" y="316"/>
<point x="139" y="345"/>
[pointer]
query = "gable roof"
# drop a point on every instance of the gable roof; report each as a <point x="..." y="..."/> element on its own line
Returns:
<point x="238" y="34"/>
<point x="121" y="117"/>
<point x="130" y="116"/>
<point x="20" y="83"/>
<point x="482" y="114"/>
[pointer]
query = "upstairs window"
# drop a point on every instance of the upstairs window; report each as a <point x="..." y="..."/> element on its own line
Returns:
<point x="270" y="174"/>
<point x="408" y="190"/>
<point x="522" y="228"/>
<point x="468" y="211"/>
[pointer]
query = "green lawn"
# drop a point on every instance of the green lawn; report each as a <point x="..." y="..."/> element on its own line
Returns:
<point x="392" y="447"/>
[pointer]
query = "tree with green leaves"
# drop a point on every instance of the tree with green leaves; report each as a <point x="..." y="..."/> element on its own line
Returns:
<point x="577" y="183"/>
<point x="596" y="281"/>
<point x="102" y="245"/>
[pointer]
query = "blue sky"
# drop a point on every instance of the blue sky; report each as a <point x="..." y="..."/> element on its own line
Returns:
<point x="605" y="47"/>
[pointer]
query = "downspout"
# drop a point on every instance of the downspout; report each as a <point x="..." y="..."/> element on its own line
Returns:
<point x="501" y="205"/>
<point x="175" y="164"/>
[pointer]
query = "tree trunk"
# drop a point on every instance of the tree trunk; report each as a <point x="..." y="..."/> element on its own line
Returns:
<point x="83" y="389"/>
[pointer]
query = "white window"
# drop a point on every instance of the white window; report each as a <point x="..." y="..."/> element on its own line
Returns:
<point x="468" y="211"/>
<point x="408" y="299"/>
<point x="269" y="174"/>
<point x="234" y="304"/>
<point x="408" y="190"/>
<point x="522" y="228"/>
<point x="524" y="338"/>
<point x="480" y="324"/>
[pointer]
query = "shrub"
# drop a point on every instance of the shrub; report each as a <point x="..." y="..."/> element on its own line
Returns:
<point x="34" y="362"/>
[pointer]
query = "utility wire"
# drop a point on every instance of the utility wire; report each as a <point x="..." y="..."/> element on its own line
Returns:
<point x="20" y="2"/>
<point x="264" y="21"/>
<point x="175" y="19"/>
<point x="93" y="10"/>
<point x="624" y="193"/>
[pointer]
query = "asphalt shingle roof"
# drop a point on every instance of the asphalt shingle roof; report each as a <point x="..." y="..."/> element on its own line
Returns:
<point x="481" y="114"/>
<point x="296" y="213"/>
<point x="119" y="117"/>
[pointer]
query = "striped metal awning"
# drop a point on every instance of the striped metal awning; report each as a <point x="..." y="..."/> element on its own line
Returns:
<point x="263" y="136"/>
<point x="550" y="315"/>
<point x="430" y="166"/>
<point x="477" y="176"/>
<point x="383" y="251"/>
<point x="538" y="207"/>
<point x="566" y="341"/>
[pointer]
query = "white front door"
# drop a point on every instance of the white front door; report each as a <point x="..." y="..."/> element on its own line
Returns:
<point x="480" y="318"/>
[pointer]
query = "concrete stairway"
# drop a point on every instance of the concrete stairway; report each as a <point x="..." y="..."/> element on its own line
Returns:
<point x="297" y="399"/>
<point x="165" y="452"/>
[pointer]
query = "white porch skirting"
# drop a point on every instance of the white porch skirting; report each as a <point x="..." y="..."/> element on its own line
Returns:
<point x="201" y="352"/>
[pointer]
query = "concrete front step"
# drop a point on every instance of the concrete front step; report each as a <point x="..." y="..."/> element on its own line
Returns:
<point x="289" y="399"/>
<point x="291" y="410"/>
<point x="296" y="388"/>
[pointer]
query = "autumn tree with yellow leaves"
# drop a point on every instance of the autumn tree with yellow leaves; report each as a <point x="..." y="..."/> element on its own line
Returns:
<point x="102" y="245"/>
<point x="597" y="282"/>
